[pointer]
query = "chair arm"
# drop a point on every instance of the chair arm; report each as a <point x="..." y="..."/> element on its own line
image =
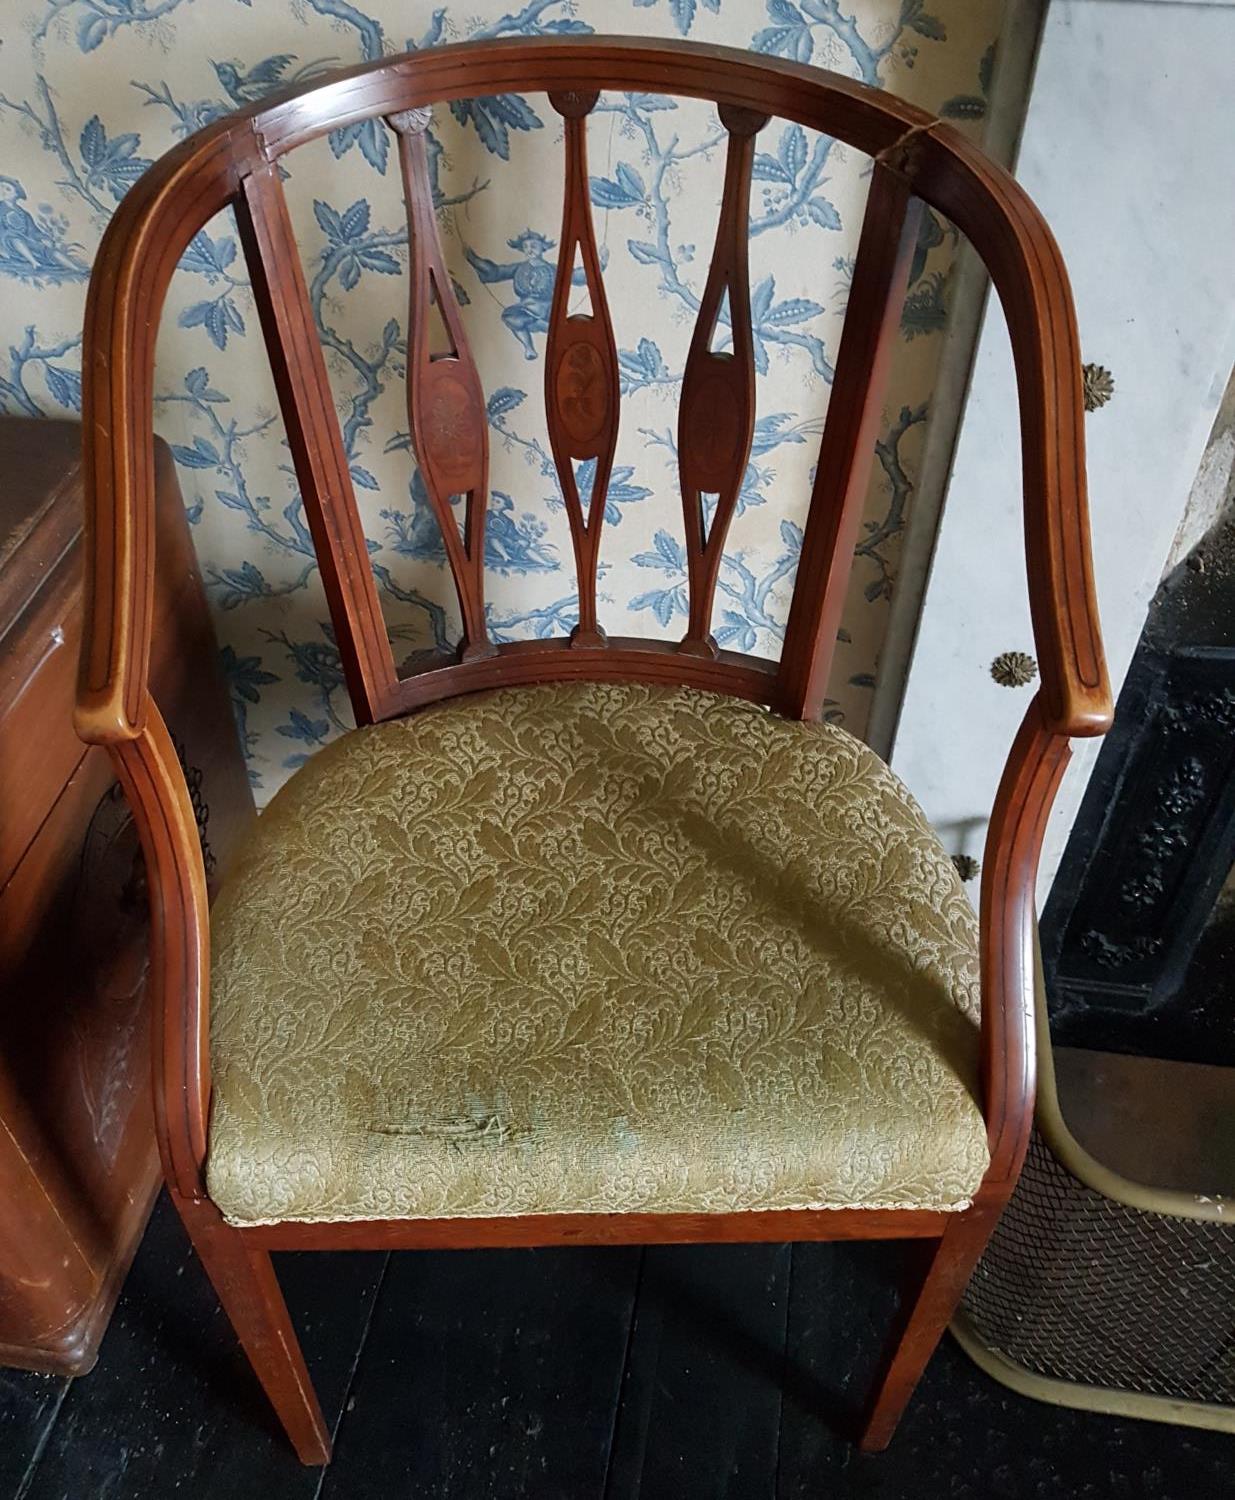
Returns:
<point x="1008" y="936"/>
<point x="136" y="259"/>
<point x="1028" y="272"/>
<point x="148" y="768"/>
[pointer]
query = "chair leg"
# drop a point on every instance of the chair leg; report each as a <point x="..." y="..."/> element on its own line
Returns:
<point x="244" y="1279"/>
<point x="948" y="1273"/>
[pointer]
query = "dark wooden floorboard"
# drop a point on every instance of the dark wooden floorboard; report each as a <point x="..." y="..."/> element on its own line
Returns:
<point x="489" y="1373"/>
<point x="28" y="1407"/>
<point x="843" y="1303"/>
<point x="498" y="1375"/>
<point x="964" y="1436"/>
<point x="700" y="1410"/>
<point x="172" y="1406"/>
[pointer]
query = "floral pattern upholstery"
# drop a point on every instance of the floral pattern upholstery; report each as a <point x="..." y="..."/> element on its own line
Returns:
<point x="592" y="948"/>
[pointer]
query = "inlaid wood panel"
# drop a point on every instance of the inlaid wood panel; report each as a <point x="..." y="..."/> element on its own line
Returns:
<point x="581" y="367"/>
<point x="716" y="419"/>
<point x="445" y="402"/>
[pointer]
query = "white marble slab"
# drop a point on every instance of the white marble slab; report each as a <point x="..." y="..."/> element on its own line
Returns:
<point x="1127" y="150"/>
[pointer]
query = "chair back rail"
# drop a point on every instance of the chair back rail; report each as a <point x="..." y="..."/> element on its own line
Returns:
<point x="846" y="454"/>
<point x="316" y="440"/>
<point x="917" y="160"/>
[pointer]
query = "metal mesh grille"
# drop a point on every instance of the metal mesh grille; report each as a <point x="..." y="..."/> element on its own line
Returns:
<point x="1078" y="1287"/>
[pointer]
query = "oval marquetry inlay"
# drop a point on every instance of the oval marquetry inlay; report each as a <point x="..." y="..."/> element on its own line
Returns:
<point x="452" y="425"/>
<point x="582" y="391"/>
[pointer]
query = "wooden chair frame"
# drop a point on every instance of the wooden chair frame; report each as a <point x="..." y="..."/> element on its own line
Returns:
<point x="235" y="162"/>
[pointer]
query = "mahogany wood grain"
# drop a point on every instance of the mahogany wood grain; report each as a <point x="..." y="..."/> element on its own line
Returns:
<point x="716" y="416"/>
<point x="149" y="771"/>
<point x="316" y="440"/>
<point x="185" y="188"/>
<point x="445" y="402"/>
<point x="136" y="257"/>
<point x="1035" y="766"/>
<point x="515" y="1230"/>
<point x="847" y="451"/>
<point x="78" y="1155"/>
<point x="41" y="1184"/>
<point x="78" y="1162"/>
<point x="244" y="1278"/>
<point x="581" y="367"/>
<point x="867" y="118"/>
<point x="618" y="659"/>
<point x="916" y="158"/>
<point x="36" y="762"/>
<point x="927" y="1311"/>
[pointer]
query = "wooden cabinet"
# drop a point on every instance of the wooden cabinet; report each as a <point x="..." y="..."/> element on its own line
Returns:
<point x="78" y="1164"/>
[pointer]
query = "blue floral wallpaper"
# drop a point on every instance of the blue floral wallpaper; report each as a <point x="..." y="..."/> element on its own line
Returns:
<point x="91" y="91"/>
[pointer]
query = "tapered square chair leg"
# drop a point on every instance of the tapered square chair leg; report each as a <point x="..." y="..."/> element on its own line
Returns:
<point x="244" y="1279"/>
<point x="947" y="1275"/>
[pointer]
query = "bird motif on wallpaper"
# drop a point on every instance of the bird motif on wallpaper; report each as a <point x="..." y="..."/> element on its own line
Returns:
<point x="246" y="86"/>
<point x="30" y="250"/>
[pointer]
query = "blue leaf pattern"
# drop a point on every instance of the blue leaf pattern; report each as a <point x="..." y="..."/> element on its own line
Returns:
<point x="93" y="91"/>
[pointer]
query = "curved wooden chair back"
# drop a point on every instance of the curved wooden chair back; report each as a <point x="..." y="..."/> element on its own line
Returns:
<point x="235" y="162"/>
<point x="916" y="159"/>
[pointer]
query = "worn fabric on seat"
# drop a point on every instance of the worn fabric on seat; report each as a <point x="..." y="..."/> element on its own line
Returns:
<point x="592" y="948"/>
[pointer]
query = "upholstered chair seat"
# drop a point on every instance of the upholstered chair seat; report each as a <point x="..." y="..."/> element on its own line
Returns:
<point x="592" y="948"/>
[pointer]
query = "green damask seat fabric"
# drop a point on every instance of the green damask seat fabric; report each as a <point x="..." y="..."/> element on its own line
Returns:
<point x="592" y="948"/>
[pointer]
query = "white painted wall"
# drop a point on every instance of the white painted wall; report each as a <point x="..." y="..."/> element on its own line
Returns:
<point x="1128" y="150"/>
